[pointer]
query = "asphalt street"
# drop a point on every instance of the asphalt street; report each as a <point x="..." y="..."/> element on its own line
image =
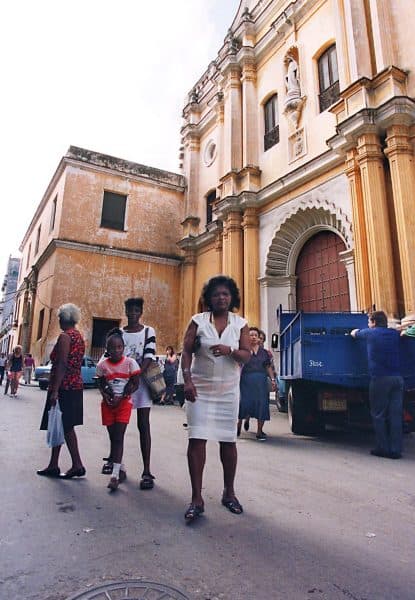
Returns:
<point x="323" y="519"/>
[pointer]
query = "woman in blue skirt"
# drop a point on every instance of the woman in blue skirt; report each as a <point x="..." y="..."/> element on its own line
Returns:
<point x="254" y="399"/>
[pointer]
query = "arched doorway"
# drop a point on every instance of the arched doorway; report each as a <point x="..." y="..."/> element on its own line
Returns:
<point x="322" y="283"/>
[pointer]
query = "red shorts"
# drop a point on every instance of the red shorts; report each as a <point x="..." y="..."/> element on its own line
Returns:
<point x="119" y="414"/>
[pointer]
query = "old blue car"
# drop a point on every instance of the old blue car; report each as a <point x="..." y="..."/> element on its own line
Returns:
<point x="88" y="370"/>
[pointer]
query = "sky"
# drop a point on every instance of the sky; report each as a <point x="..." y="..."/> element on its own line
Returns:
<point x="109" y="76"/>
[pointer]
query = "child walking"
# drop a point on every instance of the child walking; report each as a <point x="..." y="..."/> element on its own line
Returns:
<point x="118" y="379"/>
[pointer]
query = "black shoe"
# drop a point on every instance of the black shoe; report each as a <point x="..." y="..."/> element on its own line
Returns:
<point x="394" y="455"/>
<point x="49" y="472"/>
<point x="246" y="424"/>
<point x="74" y="473"/>
<point x="379" y="452"/>
<point x="261" y="437"/>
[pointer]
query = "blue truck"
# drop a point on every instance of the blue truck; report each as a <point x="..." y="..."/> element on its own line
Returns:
<point x="323" y="374"/>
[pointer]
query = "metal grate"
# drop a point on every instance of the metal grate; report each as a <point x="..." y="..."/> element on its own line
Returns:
<point x="131" y="590"/>
<point x="329" y="96"/>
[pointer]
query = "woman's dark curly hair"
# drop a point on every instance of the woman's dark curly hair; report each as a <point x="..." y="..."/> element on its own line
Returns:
<point x="213" y="283"/>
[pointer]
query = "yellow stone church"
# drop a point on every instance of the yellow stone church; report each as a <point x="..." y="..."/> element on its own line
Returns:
<point x="297" y="179"/>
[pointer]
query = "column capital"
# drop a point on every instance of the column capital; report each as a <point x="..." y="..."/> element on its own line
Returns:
<point x="250" y="218"/>
<point x="398" y="140"/>
<point x="369" y="147"/>
<point x="233" y="220"/>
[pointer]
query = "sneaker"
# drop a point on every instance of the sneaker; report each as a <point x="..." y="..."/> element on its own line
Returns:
<point x="261" y="437"/>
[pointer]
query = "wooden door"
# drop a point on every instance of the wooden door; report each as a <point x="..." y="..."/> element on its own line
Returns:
<point x="322" y="284"/>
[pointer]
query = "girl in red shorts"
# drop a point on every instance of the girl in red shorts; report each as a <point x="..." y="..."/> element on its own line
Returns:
<point x="118" y="379"/>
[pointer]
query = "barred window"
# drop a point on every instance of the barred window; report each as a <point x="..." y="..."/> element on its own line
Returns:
<point x="328" y="74"/>
<point x="271" y="121"/>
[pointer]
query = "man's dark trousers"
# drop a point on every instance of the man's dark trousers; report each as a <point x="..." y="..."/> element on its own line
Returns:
<point x="386" y="399"/>
<point x="1" y="375"/>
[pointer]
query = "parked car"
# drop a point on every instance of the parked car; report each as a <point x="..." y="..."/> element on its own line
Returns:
<point x="88" y="370"/>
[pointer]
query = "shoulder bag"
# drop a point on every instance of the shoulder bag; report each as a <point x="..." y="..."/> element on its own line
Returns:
<point x="153" y="376"/>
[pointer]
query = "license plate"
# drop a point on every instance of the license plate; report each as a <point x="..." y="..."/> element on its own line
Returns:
<point x="334" y="404"/>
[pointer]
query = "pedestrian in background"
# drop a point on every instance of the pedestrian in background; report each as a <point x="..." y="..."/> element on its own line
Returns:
<point x="254" y="400"/>
<point x="386" y="384"/>
<point x="15" y="365"/>
<point x="169" y="375"/>
<point x="66" y="385"/>
<point x="219" y="341"/>
<point x="118" y="379"/>
<point x="3" y="361"/>
<point x="29" y="365"/>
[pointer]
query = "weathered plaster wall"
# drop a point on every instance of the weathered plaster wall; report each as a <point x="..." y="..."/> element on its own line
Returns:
<point x="153" y="212"/>
<point x="99" y="284"/>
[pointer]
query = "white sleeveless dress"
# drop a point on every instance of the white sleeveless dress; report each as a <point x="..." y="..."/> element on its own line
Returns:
<point x="214" y="414"/>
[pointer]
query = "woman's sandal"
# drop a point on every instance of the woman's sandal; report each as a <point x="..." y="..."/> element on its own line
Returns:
<point x="107" y="468"/>
<point x="113" y="484"/>
<point x="233" y="505"/>
<point x="193" y="512"/>
<point x="147" y="482"/>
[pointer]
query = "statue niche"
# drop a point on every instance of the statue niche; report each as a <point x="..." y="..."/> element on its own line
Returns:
<point x="293" y="101"/>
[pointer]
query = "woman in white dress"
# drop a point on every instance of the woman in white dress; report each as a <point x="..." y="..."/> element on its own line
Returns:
<point x="219" y="341"/>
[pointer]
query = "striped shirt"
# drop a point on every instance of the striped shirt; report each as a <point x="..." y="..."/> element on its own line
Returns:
<point x="134" y="344"/>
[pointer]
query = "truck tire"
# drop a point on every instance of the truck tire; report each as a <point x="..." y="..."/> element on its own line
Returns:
<point x="303" y="416"/>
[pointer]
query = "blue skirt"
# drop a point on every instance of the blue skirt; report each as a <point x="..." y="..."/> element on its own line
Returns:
<point x="254" y="399"/>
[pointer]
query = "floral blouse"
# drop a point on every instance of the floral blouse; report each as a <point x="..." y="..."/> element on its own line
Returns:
<point x="72" y="379"/>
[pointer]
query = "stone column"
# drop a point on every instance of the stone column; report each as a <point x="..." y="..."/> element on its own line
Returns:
<point x="249" y="115"/>
<point x="234" y="250"/>
<point x="401" y="160"/>
<point x="192" y="145"/>
<point x="383" y="34"/>
<point x="379" y="241"/>
<point x="251" y="265"/>
<point x="188" y="304"/>
<point x="232" y="150"/>
<point x="362" y="271"/>
<point x="360" y="52"/>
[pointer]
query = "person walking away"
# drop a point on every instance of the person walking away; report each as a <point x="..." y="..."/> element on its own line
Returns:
<point x="169" y="375"/>
<point x="66" y="385"/>
<point x="15" y="369"/>
<point x="254" y="399"/>
<point x="3" y="361"/>
<point x="29" y="365"/>
<point x="218" y="341"/>
<point x="118" y="379"/>
<point x="140" y="344"/>
<point x="386" y="384"/>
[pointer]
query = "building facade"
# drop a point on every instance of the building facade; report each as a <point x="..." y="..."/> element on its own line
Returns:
<point x="298" y="148"/>
<point x="7" y="317"/>
<point x="298" y="181"/>
<point x="105" y="230"/>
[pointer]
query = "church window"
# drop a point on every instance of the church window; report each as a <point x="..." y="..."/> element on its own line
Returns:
<point x="272" y="128"/>
<point x="210" y="199"/>
<point x="328" y="74"/>
<point x="113" y="211"/>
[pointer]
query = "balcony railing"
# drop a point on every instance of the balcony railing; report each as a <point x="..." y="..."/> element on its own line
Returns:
<point x="271" y="138"/>
<point x="329" y="96"/>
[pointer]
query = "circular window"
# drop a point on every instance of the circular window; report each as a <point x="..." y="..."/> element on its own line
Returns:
<point x="210" y="153"/>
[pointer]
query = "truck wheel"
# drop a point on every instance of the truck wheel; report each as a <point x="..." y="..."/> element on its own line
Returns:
<point x="303" y="416"/>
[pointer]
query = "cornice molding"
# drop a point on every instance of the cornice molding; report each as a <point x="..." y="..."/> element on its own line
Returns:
<point x="104" y="250"/>
<point x="396" y="111"/>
